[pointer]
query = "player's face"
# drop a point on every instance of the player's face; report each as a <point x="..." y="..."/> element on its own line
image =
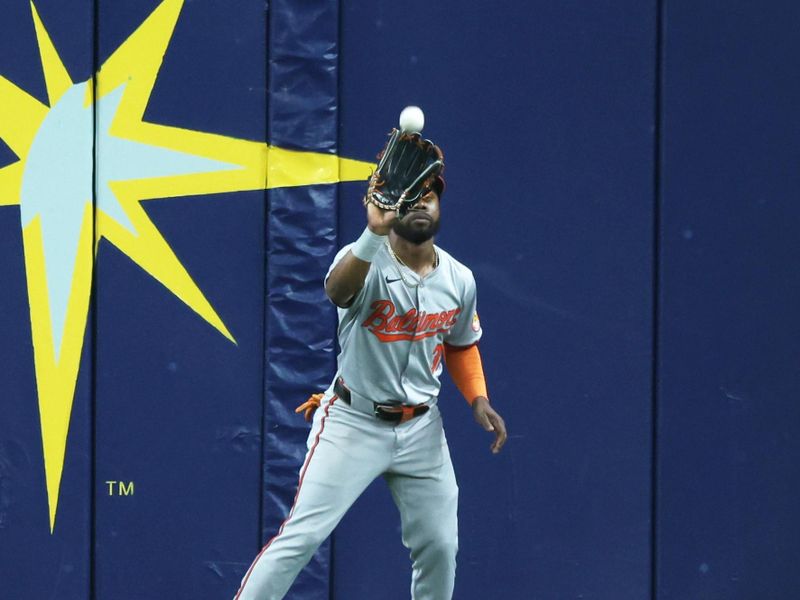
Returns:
<point x="421" y="222"/>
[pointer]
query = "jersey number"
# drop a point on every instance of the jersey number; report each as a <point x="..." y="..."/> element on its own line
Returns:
<point x="438" y="352"/>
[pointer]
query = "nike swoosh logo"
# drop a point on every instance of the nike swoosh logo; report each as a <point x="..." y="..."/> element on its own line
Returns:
<point x="391" y="280"/>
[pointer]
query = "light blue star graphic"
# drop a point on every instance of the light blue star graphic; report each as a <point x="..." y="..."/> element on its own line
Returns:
<point x="57" y="182"/>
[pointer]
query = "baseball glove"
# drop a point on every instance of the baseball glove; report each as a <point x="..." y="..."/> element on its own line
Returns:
<point x="407" y="169"/>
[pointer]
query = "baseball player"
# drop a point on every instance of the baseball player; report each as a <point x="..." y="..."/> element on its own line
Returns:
<point x="405" y="307"/>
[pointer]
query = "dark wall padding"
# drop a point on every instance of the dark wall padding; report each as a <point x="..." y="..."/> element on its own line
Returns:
<point x="300" y="357"/>
<point x="729" y="468"/>
<point x="621" y="179"/>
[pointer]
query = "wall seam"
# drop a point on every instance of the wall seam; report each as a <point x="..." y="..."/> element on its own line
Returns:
<point x="93" y="309"/>
<point x="265" y="310"/>
<point x="336" y="219"/>
<point x="656" y="291"/>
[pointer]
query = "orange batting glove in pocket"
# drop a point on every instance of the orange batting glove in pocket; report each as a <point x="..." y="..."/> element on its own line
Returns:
<point x="309" y="406"/>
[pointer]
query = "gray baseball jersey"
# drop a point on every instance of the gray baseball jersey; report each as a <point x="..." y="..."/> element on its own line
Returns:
<point x="392" y="335"/>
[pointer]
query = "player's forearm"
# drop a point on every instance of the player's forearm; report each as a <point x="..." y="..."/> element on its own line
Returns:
<point x="346" y="279"/>
<point x="466" y="370"/>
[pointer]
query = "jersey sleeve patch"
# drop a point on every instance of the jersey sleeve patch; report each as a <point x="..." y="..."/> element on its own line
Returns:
<point x="476" y="323"/>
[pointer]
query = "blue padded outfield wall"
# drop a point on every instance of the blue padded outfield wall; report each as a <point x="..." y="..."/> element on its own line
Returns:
<point x="176" y="176"/>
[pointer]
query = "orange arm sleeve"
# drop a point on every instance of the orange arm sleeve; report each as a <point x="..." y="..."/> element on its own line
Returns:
<point x="466" y="370"/>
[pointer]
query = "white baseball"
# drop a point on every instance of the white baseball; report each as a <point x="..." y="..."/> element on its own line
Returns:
<point x="412" y="119"/>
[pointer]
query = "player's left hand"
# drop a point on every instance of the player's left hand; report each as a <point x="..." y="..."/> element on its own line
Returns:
<point x="488" y="418"/>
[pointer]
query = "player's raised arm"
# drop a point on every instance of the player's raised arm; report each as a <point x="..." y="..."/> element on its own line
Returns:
<point x="407" y="169"/>
<point x="347" y="277"/>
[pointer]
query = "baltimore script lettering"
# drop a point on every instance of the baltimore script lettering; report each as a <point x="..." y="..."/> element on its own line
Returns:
<point x="411" y="326"/>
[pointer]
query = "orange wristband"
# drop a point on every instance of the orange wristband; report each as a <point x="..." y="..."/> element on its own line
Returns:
<point x="466" y="370"/>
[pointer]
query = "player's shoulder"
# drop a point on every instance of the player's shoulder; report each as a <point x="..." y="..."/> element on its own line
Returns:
<point x="455" y="267"/>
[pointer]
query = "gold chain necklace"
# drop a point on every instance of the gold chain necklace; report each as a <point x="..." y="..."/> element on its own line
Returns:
<point x="402" y="264"/>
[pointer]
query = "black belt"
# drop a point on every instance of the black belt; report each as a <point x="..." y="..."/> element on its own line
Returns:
<point x="397" y="413"/>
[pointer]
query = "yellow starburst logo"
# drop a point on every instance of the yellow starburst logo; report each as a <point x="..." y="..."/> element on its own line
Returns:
<point x="67" y="206"/>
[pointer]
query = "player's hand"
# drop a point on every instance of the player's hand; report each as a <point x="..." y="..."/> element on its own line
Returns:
<point x="380" y="221"/>
<point x="488" y="418"/>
